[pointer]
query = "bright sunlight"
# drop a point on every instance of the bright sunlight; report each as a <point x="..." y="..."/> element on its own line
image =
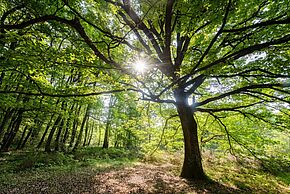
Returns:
<point x="140" y="66"/>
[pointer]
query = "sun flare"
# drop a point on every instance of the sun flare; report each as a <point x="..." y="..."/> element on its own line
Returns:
<point x="140" y="66"/>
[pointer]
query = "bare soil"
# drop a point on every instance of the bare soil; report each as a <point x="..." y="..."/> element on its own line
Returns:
<point x="140" y="178"/>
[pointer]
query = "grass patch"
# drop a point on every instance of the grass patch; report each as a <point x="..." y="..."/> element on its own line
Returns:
<point x="25" y="168"/>
<point x="21" y="161"/>
<point x="246" y="175"/>
<point x="16" y="167"/>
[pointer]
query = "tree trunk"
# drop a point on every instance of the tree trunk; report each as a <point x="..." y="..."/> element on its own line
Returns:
<point x="86" y="133"/>
<point x="26" y="138"/>
<point x="5" y="119"/>
<point x="79" y="139"/>
<point x="22" y="137"/>
<point x="67" y="130"/>
<point x="129" y="140"/>
<point x="100" y="136"/>
<point x="91" y="134"/>
<point x="47" y="127"/>
<point x="36" y="130"/>
<point x="52" y="131"/>
<point x="75" y="126"/>
<point x="192" y="166"/>
<point x="14" y="129"/>
<point x="106" y="136"/>
<point x="57" y="139"/>
<point x="45" y="132"/>
<point x="108" y="123"/>
<point x="66" y="134"/>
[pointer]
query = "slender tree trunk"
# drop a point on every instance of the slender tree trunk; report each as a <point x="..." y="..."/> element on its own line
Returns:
<point x="128" y="140"/>
<point x="107" y="129"/>
<point x="100" y="135"/>
<point x="66" y="134"/>
<point x="5" y="120"/>
<point x="116" y="141"/>
<point x="79" y="139"/>
<point x="12" y="133"/>
<point x="26" y="138"/>
<point x="57" y="139"/>
<point x="67" y="130"/>
<point x="22" y="137"/>
<point x="192" y="165"/>
<point x="106" y="136"/>
<point x="86" y="133"/>
<point x="91" y="134"/>
<point x="50" y="136"/>
<point x="36" y="130"/>
<point x="2" y="76"/>
<point x="45" y="132"/>
<point x="75" y="126"/>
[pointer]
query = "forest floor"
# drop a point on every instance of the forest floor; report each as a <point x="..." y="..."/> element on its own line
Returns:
<point x="127" y="175"/>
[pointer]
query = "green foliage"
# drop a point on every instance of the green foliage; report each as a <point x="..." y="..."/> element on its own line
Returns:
<point x="22" y="161"/>
<point x="100" y="153"/>
<point x="40" y="159"/>
<point x="247" y="176"/>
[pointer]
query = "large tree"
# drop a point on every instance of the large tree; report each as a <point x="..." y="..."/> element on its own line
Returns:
<point x="224" y="55"/>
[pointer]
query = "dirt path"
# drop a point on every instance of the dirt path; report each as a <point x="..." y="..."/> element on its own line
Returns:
<point x="138" y="179"/>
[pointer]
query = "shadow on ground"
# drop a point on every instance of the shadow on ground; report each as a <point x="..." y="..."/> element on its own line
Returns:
<point x="138" y="179"/>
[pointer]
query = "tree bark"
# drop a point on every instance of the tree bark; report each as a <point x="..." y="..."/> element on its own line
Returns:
<point x="100" y="136"/>
<point x="75" y="126"/>
<point x="91" y="134"/>
<point x="67" y="129"/>
<point x="52" y="131"/>
<point x="106" y="136"/>
<point x="66" y="134"/>
<point x="79" y="139"/>
<point x="13" y="131"/>
<point x="45" y="132"/>
<point x="6" y="117"/>
<point x="26" y="138"/>
<point x="108" y="123"/>
<point x="86" y="133"/>
<point x="22" y="137"/>
<point x="57" y="139"/>
<point x="192" y="165"/>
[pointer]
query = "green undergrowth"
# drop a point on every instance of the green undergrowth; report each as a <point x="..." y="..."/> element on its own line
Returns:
<point x="18" y="165"/>
<point x="242" y="173"/>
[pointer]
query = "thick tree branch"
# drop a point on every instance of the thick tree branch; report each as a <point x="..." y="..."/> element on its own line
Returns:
<point x="134" y="29"/>
<point x="168" y="20"/>
<point x="215" y="37"/>
<point x="196" y="82"/>
<point x="226" y="109"/>
<point x="245" y="74"/>
<point x="106" y="33"/>
<point x="261" y="24"/>
<point x="41" y="19"/>
<point x="238" y="91"/>
<point x="7" y="13"/>
<point x="75" y="23"/>
<point x="68" y="95"/>
<point x="243" y="52"/>
<point x="165" y="66"/>
<point x="140" y="25"/>
<point x="271" y="96"/>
